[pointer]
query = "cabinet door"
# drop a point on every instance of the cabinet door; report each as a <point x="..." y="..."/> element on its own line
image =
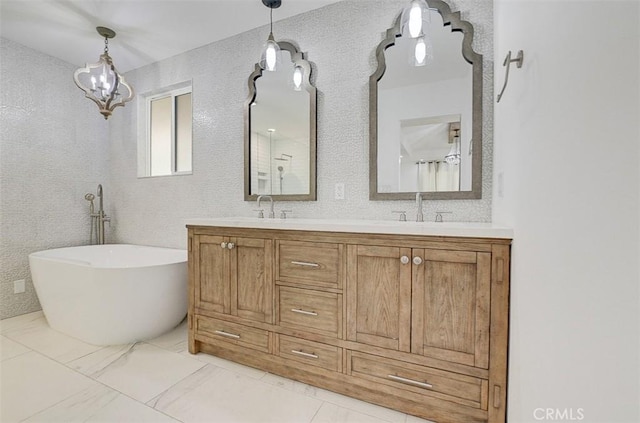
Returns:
<point x="252" y="279"/>
<point x="450" y="306"/>
<point x="212" y="289"/>
<point x="379" y="296"/>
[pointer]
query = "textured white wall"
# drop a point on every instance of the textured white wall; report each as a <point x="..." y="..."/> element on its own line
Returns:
<point x="340" y="41"/>
<point x="56" y="146"/>
<point x="567" y="147"/>
<point x="53" y="150"/>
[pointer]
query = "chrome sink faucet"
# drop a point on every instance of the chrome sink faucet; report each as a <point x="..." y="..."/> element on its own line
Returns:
<point x="272" y="213"/>
<point x="419" y="215"/>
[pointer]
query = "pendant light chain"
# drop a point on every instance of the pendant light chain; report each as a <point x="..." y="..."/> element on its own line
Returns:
<point x="106" y="45"/>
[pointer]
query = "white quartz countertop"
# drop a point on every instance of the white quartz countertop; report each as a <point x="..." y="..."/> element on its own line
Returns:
<point x="458" y="229"/>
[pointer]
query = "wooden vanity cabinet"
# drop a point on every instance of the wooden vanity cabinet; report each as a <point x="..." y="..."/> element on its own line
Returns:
<point x="451" y="306"/>
<point x="414" y="323"/>
<point x="235" y="276"/>
<point x="429" y="302"/>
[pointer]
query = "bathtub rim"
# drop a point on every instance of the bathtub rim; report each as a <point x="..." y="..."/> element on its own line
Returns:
<point x="42" y="255"/>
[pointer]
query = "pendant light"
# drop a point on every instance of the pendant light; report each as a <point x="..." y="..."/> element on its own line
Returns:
<point x="415" y="19"/>
<point x="270" y="58"/>
<point x="101" y="82"/>
<point x="414" y="23"/>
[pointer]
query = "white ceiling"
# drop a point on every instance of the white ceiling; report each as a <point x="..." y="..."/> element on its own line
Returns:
<point x="147" y="30"/>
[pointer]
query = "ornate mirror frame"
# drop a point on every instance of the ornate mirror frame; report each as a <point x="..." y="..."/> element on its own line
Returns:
<point x="297" y="59"/>
<point x="475" y="59"/>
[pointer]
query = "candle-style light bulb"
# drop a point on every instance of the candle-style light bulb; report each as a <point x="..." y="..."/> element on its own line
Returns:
<point x="415" y="19"/>
<point x="297" y="78"/>
<point x="420" y="52"/>
<point x="270" y="56"/>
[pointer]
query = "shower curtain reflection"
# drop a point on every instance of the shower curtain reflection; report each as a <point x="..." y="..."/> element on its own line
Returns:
<point x="437" y="176"/>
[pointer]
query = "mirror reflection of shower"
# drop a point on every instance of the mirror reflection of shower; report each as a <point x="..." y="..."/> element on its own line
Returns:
<point x="279" y="164"/>
<point x="281" y="172"/>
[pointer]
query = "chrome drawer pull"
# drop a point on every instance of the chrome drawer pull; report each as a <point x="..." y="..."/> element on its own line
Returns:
<point x="410" y="381"/>
<point x="227" y="334"/>
<point x="304" y="263"/>
<point x="308" y="313"/>
<point x="304" y="354"/>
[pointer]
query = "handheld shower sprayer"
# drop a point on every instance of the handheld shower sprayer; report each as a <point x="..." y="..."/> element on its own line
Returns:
<point x="98" y="218"/>
<point x="90" y="197"/>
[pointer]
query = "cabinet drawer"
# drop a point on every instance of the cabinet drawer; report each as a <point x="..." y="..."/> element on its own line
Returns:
<point x="309" y="352"/>
<point x="308" y="309"/>
<point x="309" y="262"/>
<point x="232" y="332"/>
<point x="455" y="387"/>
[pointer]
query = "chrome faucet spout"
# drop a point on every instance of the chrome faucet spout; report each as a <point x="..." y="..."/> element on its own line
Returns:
<point x="419" y="215"/>
<point x="272" y="213"/>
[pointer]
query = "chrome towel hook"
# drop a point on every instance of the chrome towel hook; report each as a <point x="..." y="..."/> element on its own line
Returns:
<point x="507" y="62"/>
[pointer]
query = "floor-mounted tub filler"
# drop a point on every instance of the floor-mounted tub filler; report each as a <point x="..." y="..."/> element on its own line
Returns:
<point x="111" y="294"/>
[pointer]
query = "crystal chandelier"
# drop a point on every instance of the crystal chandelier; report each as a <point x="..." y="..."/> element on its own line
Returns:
<point x="101" y="82"/>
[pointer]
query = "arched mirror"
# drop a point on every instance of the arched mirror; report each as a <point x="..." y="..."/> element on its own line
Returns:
<point x="426" y="111"/>
<point x="280" y="130"/>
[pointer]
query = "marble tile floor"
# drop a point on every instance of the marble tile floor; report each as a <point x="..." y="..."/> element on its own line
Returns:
<point x="46" y="376"/>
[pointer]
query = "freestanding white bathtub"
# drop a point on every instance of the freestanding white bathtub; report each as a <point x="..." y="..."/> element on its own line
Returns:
<point x="111" y="294"/>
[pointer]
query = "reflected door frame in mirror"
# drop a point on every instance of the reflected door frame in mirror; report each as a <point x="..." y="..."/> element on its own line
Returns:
<point x="297" y="59"/>
<point x="453" y="19"/>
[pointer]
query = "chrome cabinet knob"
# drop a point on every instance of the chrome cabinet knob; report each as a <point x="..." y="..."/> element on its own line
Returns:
<point x="231" y="245"/>
<point x="417" y="261"/>
<point x="404" y="259"/>
<point x="223" y="245"/>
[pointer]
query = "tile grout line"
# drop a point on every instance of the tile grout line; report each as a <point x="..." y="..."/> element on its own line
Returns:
<point x="117" y="390"/>
<point x="317" y="411"/>
<point x="129" y="350"/>
<point x="335" y="403"/>
<point x="86" y="376"/>
<point x="192" y="356"/>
